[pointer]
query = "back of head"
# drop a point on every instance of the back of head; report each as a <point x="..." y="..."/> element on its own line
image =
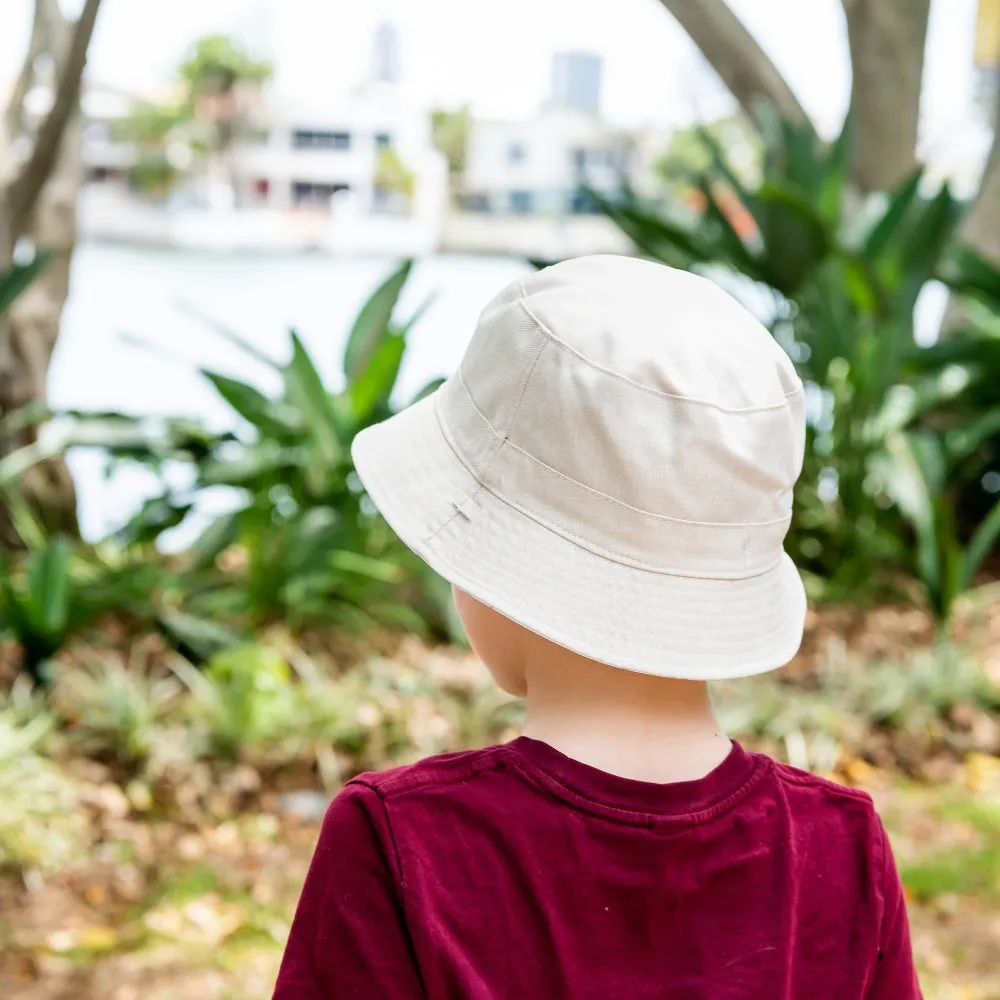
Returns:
<point x="630" y="435"/>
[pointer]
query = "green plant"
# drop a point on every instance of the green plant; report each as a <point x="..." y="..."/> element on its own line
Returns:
<point x="40" y="823"/>
<point x="837" y="284"/>
<point x="15" y="280"/>
<point x="56" y="587"/>
<point x="307" y="546"/>
<point x="243" y="699"/>
<point x="248" y="704"/>
<point x="115" y="708"/>
<point x="302" y="545"/>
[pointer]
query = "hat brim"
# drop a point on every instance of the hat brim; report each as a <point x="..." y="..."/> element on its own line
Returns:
<point x="636" y="619"/>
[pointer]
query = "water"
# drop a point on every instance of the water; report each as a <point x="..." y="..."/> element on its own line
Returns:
<point x="122" y="292"/>
<point x="119" y="293"/>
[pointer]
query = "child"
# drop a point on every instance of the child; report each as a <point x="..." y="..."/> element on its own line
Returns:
<point x="607" y="482"/>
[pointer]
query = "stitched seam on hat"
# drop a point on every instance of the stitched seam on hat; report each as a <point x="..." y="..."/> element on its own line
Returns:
<point x="616" y="557"/>
<point x="598" y="493"/>
<point x="584" y="543"/>
<point x="527" y="378"/>
<point x="462" y="461"/>
<point x="645" y="388"/>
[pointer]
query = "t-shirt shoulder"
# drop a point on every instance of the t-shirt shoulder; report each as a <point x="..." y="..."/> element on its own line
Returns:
<point x="444" y="769"/>
<point x="844" y="808"/>
<point x="823" y="786"/>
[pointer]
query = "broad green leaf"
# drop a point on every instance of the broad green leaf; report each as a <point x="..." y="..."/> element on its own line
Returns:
<point x="248" y="464"/>
<point x="153" y="518"/>
<point x="371" y="390"/>
<point x="49" y="584"/>
<point x="19" y="277"/>
<point x="216" y="538"/>
<point x="980" y="545"/>
<point x="931" y="230"/>
<point x="719" y="162"/>
<point x="432" y="386"/>
<point x="375" y="569"/>
<point x="304" y="388"/>
<point x="250" y="403"/>
<point x="908" y="486"/>
<point x="202" y="637"/>
<point x="972" y="435"/>
<point x="969" y="273"/>
<point x="418" y="314"/>
<point x="372" y="323"/>
<point x="887" y="229"/>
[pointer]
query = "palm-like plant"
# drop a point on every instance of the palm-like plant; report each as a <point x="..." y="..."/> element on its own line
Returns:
<point x="837" y="283"/>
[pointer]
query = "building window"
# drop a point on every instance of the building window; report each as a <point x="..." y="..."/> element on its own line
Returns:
<point x="303" y="138"/>
<point x="521" y="202"/>
<point x="383" y="140"/>
<point x="516" y="153"/>
<point x="476" y="203"/>
<point x="581" y="203"/>
<point x="593" y="159"/>
<point x="311" y="193"/>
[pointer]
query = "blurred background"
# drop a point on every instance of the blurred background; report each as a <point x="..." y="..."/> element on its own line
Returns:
<point x="233" y="234"/>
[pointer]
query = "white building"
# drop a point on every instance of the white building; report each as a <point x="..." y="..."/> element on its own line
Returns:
<point x="369" y="150"/>
<point x="358" y="174"/>
<point x="544" y="164"/>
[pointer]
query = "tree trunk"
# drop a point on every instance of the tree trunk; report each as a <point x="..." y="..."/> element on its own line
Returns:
<point x="33" y="326"/>
<point x="981" y="226"/>
<point x="734" y="54"/>
<point x="38" y="200"/>
<point x="887" y="40"/>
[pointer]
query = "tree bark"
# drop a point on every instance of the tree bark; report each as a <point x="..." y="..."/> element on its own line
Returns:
<point x="887" y="40"/>
<point x="13" y="118"/>
<point x="981" y="227"/>
<point x="23" y="191"/>
<point x="735" y="55"/>
<point x="38" y="200"/>
<point x="33" y="327"/>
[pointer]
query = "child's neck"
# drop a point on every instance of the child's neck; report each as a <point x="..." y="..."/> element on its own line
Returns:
<point x="633" y="725"/>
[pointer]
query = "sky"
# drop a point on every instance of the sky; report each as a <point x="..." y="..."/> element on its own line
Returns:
<point x="495" y="56"/>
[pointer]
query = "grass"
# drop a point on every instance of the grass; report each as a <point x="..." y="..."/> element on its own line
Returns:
<point x="968" y="870"/>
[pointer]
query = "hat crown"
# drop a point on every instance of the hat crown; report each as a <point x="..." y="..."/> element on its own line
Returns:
<point x="633" y="408"/>
<point x="662" y="329"/>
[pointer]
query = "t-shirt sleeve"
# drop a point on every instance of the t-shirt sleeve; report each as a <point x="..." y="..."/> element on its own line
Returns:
<point x="895" y="975"/>
<point x="349" y="937"/>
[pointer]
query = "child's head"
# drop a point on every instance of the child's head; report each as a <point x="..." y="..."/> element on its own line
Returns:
<point x="611" y="468"/>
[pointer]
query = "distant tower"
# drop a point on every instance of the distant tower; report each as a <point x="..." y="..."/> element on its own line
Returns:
<point x="576" y="81"/>
<point x="385" y="54"/>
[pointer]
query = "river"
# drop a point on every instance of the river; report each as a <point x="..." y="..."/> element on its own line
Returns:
<point x="122" y="293"/>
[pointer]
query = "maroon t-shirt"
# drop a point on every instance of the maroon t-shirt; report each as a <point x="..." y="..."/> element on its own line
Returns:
<point x="515" y="873"/>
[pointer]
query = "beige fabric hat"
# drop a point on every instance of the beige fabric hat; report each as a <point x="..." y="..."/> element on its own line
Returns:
<point x="612" y="467"/>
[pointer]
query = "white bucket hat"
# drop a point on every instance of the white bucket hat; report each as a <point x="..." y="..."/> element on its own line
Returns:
<point x="612" y="467"/>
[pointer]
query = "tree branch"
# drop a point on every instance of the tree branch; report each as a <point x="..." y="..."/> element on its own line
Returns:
<point x="23" y="192"/>
<point x="735" y="55"/>
<point x="14" y="115"/>
<point x="887" y="40"/>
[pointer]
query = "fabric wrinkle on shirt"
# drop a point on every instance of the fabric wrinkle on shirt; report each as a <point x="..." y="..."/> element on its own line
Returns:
<point x="516" y="872"/>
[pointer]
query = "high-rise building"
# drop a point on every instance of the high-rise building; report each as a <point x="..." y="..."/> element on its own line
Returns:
<point x="576" y="81"/>
<point x="385" y="54"/>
